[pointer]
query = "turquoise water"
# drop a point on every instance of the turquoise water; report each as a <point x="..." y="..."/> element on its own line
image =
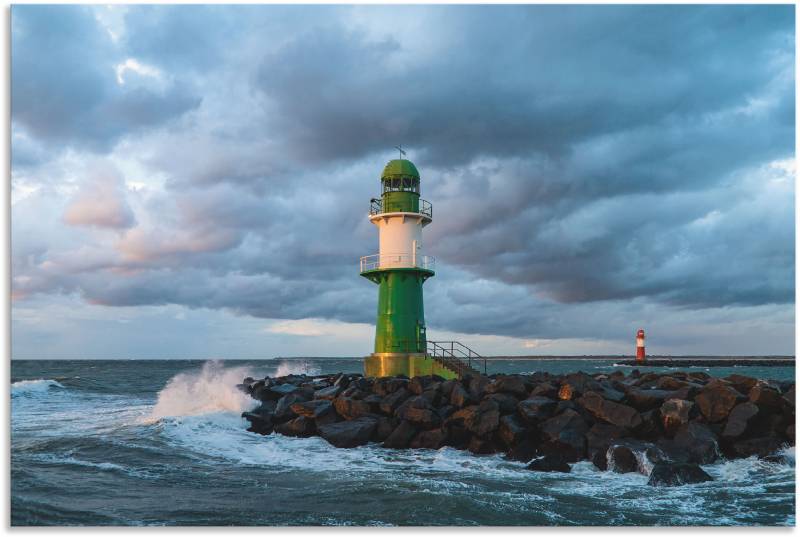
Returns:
<point x="162" y="442"/>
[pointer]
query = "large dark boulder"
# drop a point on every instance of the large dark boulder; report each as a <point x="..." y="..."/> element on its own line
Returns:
<point x="581" y="383"/>
<point x="350" y="408"/>
<point x="766" y="398"/>
<point x="459" y="396"/>
<point x="693" y="442"/>
<point x="417" y="385"/>
<point x="565" y="434"/>
<point x="328" y="393"/>
<point x="536" y="409"/>
<point x="599" y="439"/>
<point x="610" y="412"/>
<point x="480" y="419"/>
<point x="401" y="436"/>
<point x="347" y="434"/>
<point x="419" y="411"/>
<point x="674" y="414"/>
<point x="671" y="474"/>
<point x="670" y="384"/>
<point x="506" y="402"/>
<point x="741" y="383"/>
<point x="739" y="420"/>
<point x="316" y="408"/>
<point x="511" y="430"/>
<point x="259" y="423"/>
<point x="762" y="447"/>
<point x="283" y="410"/>
<point x="643" y="400"/>
<point x="544" y="389"/>
<point x="433" y="439"/>
<point x="384" y="428"/>
<point x="300" y="426"/>
<point x="622" y="459"/>
<point x="549" y="463"/>
<point x="524" y="451"/>
<point x="511" y="384"/>
<point x="392" y="402"/>
<point x="789" y="397"/>
<point x="476" y="385"/>
<point x="481" y="446"/>
<point x="716" y="401"/>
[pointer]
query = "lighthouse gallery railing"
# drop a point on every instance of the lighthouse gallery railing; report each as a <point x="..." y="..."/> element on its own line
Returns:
<point x="378" y="261"/>
<point x="376" y="207"/>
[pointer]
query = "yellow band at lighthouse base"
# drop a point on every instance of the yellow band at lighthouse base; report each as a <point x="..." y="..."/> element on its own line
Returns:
<point x="390" y="364"/>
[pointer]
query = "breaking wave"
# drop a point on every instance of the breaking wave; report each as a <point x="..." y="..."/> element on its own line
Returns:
<point x="23" y="388"/>
<point x="212" y="389"/>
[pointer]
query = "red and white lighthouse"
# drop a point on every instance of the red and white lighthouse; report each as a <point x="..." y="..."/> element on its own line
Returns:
<point x="640" y="345"/>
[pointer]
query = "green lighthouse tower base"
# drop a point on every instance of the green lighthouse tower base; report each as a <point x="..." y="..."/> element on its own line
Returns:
<point x="400" y="270"/>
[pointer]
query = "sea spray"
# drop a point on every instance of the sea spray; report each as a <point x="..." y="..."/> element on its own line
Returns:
<point x="295" y="367"/>
<point x="212" y="389"/>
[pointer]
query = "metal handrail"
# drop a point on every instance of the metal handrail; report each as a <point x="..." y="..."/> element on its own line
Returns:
<point x="379" y="261"/>
<point x="450" y="351"/>
<point x="376" y="207"/>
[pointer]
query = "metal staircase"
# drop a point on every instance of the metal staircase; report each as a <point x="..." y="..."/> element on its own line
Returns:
<point x="456" y="357"/>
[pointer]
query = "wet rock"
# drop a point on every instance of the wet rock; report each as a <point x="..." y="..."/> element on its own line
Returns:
<point x="761" y="447"/>
<point x="419" y="411"/>
<point x="693" y="442"/>
<point x="317" y="409"/>
<point x="581" y="383"/>
<point x="614" y="413"/>
<point x="643" y="400"/>
<point x="716" y="401"/>
<point x="328" y="393"/>
<point x="300" y="426"/>
<point x="350" y="408"/>
<point x="599" y="439"/>
<point x="481" y="446"/>
<point x="433" y="439"/>
<point x="506" y="403"/>
<point x="789" y="397"/>
<point x="549" y="463"/>
<point x="671" y="474"/>
<point x="790" y="433"/>
<point x="459" y="396"/>
<point x="477" y="386"/>
<point x="259" y="423"/>
<point x="283" y="410"/>
<point x="670" y="384"/>
<point x="384" y="428"/>
<point x="401" y="436"/>
<point x="565" y="433"/>
<point x="479" y="419"/>
<point x="417" y="385"/>
<point x="536" y="409"/>
<point x="741" y="383"/>
<point x="511" y="384"/>
<point x="524" y="451"/>
<point x="739" y="420"/>
<point x="622" y="460"/>
<point x="392" y="402"/>
<point x="765" y="397"/>
<point x="545" y="389"/>
<point x="447" y="388"/>
<point x="674" y="414"/>
<point x="511" y="430"/>
<point x="347" y="434"/>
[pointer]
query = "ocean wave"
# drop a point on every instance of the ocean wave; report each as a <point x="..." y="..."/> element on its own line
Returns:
<point x="296" y="367"/>
<point x="210" y="390"/>
<point x="33" y="387"/>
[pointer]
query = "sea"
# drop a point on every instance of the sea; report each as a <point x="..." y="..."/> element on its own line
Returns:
<point x="161" y="442"/>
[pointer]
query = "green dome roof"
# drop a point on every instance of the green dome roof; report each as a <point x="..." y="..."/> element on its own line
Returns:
<point x="400" y="168"/>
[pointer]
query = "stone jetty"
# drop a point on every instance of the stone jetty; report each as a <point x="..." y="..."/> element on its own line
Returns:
<point x="660" y="424"/>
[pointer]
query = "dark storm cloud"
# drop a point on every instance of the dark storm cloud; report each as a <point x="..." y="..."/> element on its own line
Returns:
<point x="64" y="88"/>
<point x="586" y="164"/>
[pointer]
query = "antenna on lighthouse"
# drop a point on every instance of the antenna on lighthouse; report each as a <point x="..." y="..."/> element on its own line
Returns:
<point x="400" y="148"/>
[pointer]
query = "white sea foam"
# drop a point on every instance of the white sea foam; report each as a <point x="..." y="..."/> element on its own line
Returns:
<point x="33" y="387"/>
<point x="210" y="390"/>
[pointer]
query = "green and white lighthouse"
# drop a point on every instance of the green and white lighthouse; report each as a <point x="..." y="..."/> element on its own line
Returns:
<point x="400" y="268"/>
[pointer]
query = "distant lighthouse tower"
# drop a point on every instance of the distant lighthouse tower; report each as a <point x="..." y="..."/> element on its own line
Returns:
<point x="640" y="356"/>
<point x="400" y="269"/>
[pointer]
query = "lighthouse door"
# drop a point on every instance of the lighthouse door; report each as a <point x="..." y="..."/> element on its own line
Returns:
<point x="421" y="340"/>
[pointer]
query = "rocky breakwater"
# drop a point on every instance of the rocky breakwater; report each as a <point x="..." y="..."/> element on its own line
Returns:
<point x="664" y="425"/>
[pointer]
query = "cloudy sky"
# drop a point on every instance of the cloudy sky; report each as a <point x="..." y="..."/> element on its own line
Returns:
<point x="194" y="182"/>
